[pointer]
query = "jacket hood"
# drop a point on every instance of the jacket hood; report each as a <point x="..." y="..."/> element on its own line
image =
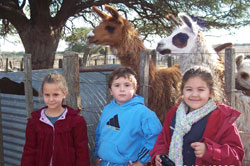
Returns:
<point x="71" y="111"/>
<point x="229" y="112"/>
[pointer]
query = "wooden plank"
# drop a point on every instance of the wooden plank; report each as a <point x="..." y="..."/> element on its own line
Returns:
<point x="144" y="75"/>
<point x="72" y="76"/>
<point x="97" y="69"/>
<point x="230" y="75"/>
<point x="154" y="57"/>
<point x="7" y="64"/>
<point x="28" y="84"/>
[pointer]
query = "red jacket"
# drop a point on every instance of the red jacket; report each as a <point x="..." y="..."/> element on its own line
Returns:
<point x="64" y="144"/>
<point x="221" y="137"/>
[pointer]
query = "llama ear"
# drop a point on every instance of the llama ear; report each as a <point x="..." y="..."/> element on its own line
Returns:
<point x="186" y="20"/>
<point x="239" y="60"/>
<point x="172" y="18"/>
<point x="112" y="11"/>
<point x="99" y="12"/>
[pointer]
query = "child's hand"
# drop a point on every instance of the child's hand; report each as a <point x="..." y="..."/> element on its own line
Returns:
<point x="199" y="149"/>
<point x="137" y="163"/>
<point x="158" y="160"/>
<point x="97" y="162"/>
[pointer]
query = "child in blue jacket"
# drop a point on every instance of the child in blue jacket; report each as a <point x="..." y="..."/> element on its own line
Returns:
<point x="127" y="129"/>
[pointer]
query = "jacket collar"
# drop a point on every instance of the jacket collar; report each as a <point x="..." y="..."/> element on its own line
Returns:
<point x="43" y="118"/>
<point x="71" y="111"/>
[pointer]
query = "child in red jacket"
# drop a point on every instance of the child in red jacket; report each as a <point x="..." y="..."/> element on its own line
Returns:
<point x="198" y="131"/>
<point x="55" y="135"/>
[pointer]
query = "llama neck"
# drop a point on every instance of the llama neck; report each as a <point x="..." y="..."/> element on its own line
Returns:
<point x="128" y="51"/>
<point x="201" y="54"/>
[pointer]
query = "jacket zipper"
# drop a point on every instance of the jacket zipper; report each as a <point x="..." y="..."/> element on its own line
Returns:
<point x="52" y="146"/>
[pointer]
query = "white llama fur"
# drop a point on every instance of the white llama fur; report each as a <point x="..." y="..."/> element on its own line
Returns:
<point x="197" y="52"/>
<point x="242" y="103"/>
<point x="194" y="51"/>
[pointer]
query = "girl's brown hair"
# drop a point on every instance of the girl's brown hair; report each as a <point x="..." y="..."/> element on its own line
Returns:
<point x="199" y="71"/>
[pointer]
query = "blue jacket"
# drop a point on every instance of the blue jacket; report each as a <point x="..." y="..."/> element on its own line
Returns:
<point x="126" y="133"/>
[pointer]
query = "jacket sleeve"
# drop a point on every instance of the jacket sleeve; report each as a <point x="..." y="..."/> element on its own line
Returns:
<point x="163" y="141"/>
<point x="229" y="150"/>
<point x="81" y="142"/>
<point x="151" y="128"/>
<point x="29" y="150"/>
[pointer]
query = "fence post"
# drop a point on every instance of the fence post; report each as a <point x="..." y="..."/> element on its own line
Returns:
<point x="154" y="57"/>
<point x="105" y="56"/>
<point x="28" y="84"/>
<point x="7" y="64"/>
<point x="144" y="75"/>
<point x="230" y="75"/>
<point x="21" y="65"/>
<point x="170" y="60"/>
<point x="60" y="63"/>
<point x="72" y="76"/>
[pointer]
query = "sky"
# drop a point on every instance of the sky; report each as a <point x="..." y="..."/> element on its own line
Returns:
<point x="239" y="36"/>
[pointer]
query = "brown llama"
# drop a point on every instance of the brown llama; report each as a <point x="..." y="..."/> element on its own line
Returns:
<point x="118" y="33"/>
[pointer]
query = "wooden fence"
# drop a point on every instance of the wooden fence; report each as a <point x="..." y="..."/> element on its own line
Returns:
<point x="71" y="70"/>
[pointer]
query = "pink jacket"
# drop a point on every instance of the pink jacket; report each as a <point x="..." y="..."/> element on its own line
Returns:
<point x="221" y="137"/>
<point x="64" y="144"/>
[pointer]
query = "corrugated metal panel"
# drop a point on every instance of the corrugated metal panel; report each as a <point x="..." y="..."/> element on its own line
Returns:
<point x="13" y="126"/>
<point x="93" y="98"/>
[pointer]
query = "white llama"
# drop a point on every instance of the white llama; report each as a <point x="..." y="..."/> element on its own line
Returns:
<point x="187" y="43"/>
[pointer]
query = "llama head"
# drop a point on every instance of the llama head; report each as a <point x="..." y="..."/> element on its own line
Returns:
<point x="183" y="38"/>
<point x="243" y="71"/>
<point x="111" y="30"/>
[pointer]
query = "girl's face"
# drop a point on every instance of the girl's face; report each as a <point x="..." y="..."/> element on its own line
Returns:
<point x="122" y="90"/>
<point x="53" y="95"/>
<point x="196" y="93"/>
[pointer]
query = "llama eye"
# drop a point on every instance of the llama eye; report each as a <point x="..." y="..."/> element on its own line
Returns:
<point x="110" y="29"/>
<point x="180" y="40"/>
<point x="244" y="75"/>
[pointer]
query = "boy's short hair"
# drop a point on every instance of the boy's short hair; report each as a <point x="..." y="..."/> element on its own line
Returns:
<point x="125" y="72"/>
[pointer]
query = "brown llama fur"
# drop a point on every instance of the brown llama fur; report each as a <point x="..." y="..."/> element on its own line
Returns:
<point x="124" y="40"/>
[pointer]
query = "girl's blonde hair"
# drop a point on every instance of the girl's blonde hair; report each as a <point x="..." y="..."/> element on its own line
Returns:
<point x="55" y="78"/>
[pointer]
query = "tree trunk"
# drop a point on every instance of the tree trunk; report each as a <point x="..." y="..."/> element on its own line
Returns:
<point x="41" y="45"/>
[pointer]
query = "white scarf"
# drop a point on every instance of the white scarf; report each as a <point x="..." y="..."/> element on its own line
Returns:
<point x="183" y="125"/>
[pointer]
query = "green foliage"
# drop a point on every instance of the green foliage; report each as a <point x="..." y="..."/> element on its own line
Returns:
<point x="77" y="40"/>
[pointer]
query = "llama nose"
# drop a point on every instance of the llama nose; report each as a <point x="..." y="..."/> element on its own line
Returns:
<point x="166" y="51"/>
<point x="159" y="45"/>
<point x="161" y="50"/>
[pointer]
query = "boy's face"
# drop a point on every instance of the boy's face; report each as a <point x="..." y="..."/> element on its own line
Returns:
<point x="122" y="90"/>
